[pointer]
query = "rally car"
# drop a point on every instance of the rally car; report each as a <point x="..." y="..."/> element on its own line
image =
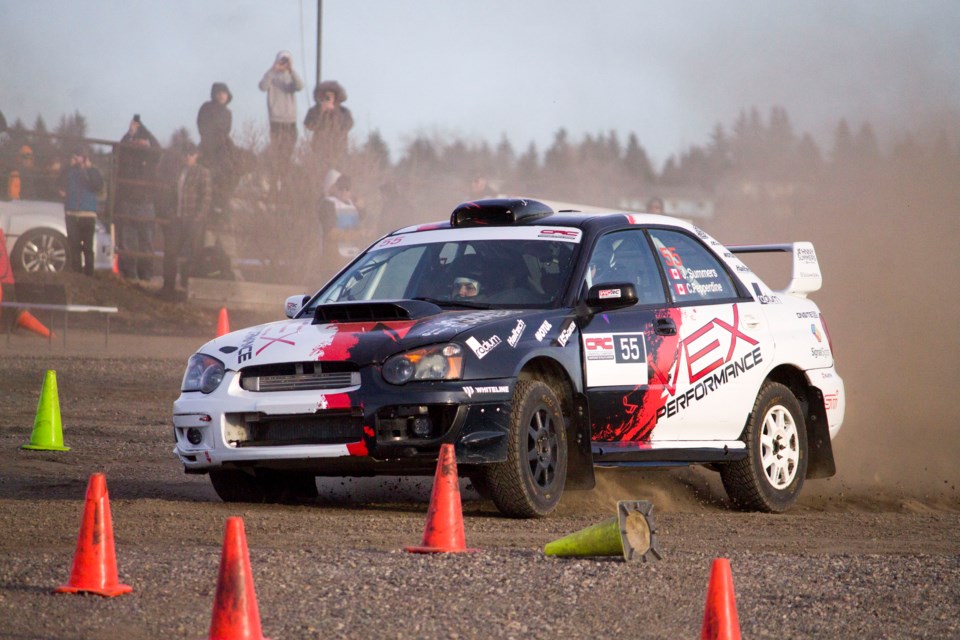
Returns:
<point x="541" y="344"/>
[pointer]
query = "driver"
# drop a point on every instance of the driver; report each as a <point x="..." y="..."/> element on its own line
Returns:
<point x="467" y="283"/>
<point x="465" y="287"/>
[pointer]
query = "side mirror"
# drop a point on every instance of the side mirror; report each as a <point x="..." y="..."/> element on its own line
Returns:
<point x="294" y="304"/>
<point x="611" y="295"/>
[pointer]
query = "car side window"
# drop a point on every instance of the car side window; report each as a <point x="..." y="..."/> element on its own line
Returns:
<point x="624" y="256"/>
<point x="694" y="274"/>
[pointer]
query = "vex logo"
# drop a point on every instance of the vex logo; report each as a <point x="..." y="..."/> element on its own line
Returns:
<point x="710" y="363"/>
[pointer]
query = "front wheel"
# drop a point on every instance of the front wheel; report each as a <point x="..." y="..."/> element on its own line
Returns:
<point x="235" y="485"/>
<point x="770" y="477"/>
<point x="528" y="484"/>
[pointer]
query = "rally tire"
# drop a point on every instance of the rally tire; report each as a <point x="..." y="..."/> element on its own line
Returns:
<point x="771" y="476"/>
<point x="234" y="485"/>
<point x="529" y="483"/>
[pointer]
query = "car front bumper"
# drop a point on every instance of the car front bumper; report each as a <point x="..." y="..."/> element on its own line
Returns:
<point x="343" y="431"/>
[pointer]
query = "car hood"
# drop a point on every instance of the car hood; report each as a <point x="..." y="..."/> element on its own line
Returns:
<point x="363" y="342"/>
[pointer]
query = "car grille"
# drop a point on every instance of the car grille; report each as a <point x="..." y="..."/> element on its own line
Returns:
<point x="300" y="376"/>
<point x="333" y="427"/>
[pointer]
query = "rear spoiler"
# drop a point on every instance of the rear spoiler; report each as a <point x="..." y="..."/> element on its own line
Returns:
<point x="806" y="277"/>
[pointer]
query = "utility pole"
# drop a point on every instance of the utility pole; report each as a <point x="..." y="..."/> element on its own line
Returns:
<point x="319" y="37"/>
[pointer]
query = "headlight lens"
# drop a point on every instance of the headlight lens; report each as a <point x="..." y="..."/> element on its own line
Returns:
<point x="436" y="362"/>
<point x="203" y="374"/>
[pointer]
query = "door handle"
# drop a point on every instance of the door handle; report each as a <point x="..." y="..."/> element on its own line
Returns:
<point x="750" y="322"/>
<point x="665" y="327"/>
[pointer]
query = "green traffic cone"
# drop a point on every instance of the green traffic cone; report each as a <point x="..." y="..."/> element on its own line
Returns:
<point x="629" y="534"/>
<point x="47" y="430"/>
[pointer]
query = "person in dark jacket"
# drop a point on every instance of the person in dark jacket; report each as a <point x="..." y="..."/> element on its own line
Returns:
<point x="185" y="230"/>
<point x="217" y="151"/>
<point x="138" y="156"/>
<point x="330" y="123"/>
<point x="83" y="184"/>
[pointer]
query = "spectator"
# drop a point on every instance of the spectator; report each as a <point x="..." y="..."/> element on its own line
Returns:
<point x="281" y="83"/>
<point x="214" y="121"/>
<point x="480" y="189"/>
<point x="655" y="205"/>
<point x="3" y="123"/>
<point x="339" y="217"/>
<point x="20" y="184"/>
<point x="330" y="123"/>
<point x="83" y="184"/>
<point x="138" y="154"/>
<point x="186" y="228"/>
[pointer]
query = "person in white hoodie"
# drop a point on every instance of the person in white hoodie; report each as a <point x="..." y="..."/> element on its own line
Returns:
<point x="282" y="82"/>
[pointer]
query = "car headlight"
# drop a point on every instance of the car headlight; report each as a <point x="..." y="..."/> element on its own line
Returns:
<point x="203" y="374"/>
<point x="436" y="362"/>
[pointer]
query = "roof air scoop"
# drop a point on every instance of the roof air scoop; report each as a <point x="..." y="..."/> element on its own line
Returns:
<point x="498" y="212"/>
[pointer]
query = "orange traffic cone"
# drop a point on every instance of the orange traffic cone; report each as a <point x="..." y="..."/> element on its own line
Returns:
<point x="223" y="323"/>
<point x="235" y="612"/>
<point x="444" y="530"/>
<point x="720" y="620"/>
<point x="26" y="320"/>
<point x="95" y="563"/>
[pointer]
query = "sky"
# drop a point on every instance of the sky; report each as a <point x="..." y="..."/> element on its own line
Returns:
<point x="668" y="71"/>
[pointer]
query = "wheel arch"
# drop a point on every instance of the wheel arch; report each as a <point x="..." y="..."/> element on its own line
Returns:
<point x="573" y="404"/>
<point x="820" y="462"/>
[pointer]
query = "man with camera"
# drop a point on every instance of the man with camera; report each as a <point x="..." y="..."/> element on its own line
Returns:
<point x="281" y="84"/>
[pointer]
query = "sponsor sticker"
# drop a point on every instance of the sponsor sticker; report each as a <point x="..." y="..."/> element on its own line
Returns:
<point x="543" y="331"/>
<point x="480" y="349"/>
<point x="565" y="333"/>
<point x="831" y="401"/>
<point x="816" y="332"/>
<point x="763" y="298"/>
<point x="606" y="294"/>
<point x="807" y="256"/>
<point x="567" y="235"/>
<point x="470" y="391"/>
<point x="517" y="332"/>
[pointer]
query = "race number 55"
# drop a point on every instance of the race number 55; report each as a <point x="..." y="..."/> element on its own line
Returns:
<point x="629" y="349"/>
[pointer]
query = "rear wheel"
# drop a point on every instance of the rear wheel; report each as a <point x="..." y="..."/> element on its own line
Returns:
<point x="529" y="483"/>
<point x="770" y="477"/>
<point x="40" y="250"/>
<point x="264" y="485"/>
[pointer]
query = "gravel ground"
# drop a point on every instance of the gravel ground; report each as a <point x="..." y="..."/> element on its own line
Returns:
<point x="851" y="561"/>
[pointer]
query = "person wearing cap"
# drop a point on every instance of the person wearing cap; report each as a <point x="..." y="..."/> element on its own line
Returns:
<point x="83" y="184"/>
<point x="330" y="122"/>
<point x="214" y="121"/>
<point x="184" y="232"/>
<point x="281" y="83"/>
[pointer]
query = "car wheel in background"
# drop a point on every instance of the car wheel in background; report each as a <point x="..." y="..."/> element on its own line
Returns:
<point x="530" y="481"/>
<point x="770" y="477"/>
<point x="40" y="250"/>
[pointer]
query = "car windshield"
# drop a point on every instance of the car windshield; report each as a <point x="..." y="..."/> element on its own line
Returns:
<point x="482" y="268"/>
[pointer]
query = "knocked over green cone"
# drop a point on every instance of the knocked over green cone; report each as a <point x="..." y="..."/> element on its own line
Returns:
<point x="630" y="533"/>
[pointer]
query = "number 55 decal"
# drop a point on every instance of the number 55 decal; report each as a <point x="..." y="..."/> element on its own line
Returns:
<point x="615" y="359"/>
